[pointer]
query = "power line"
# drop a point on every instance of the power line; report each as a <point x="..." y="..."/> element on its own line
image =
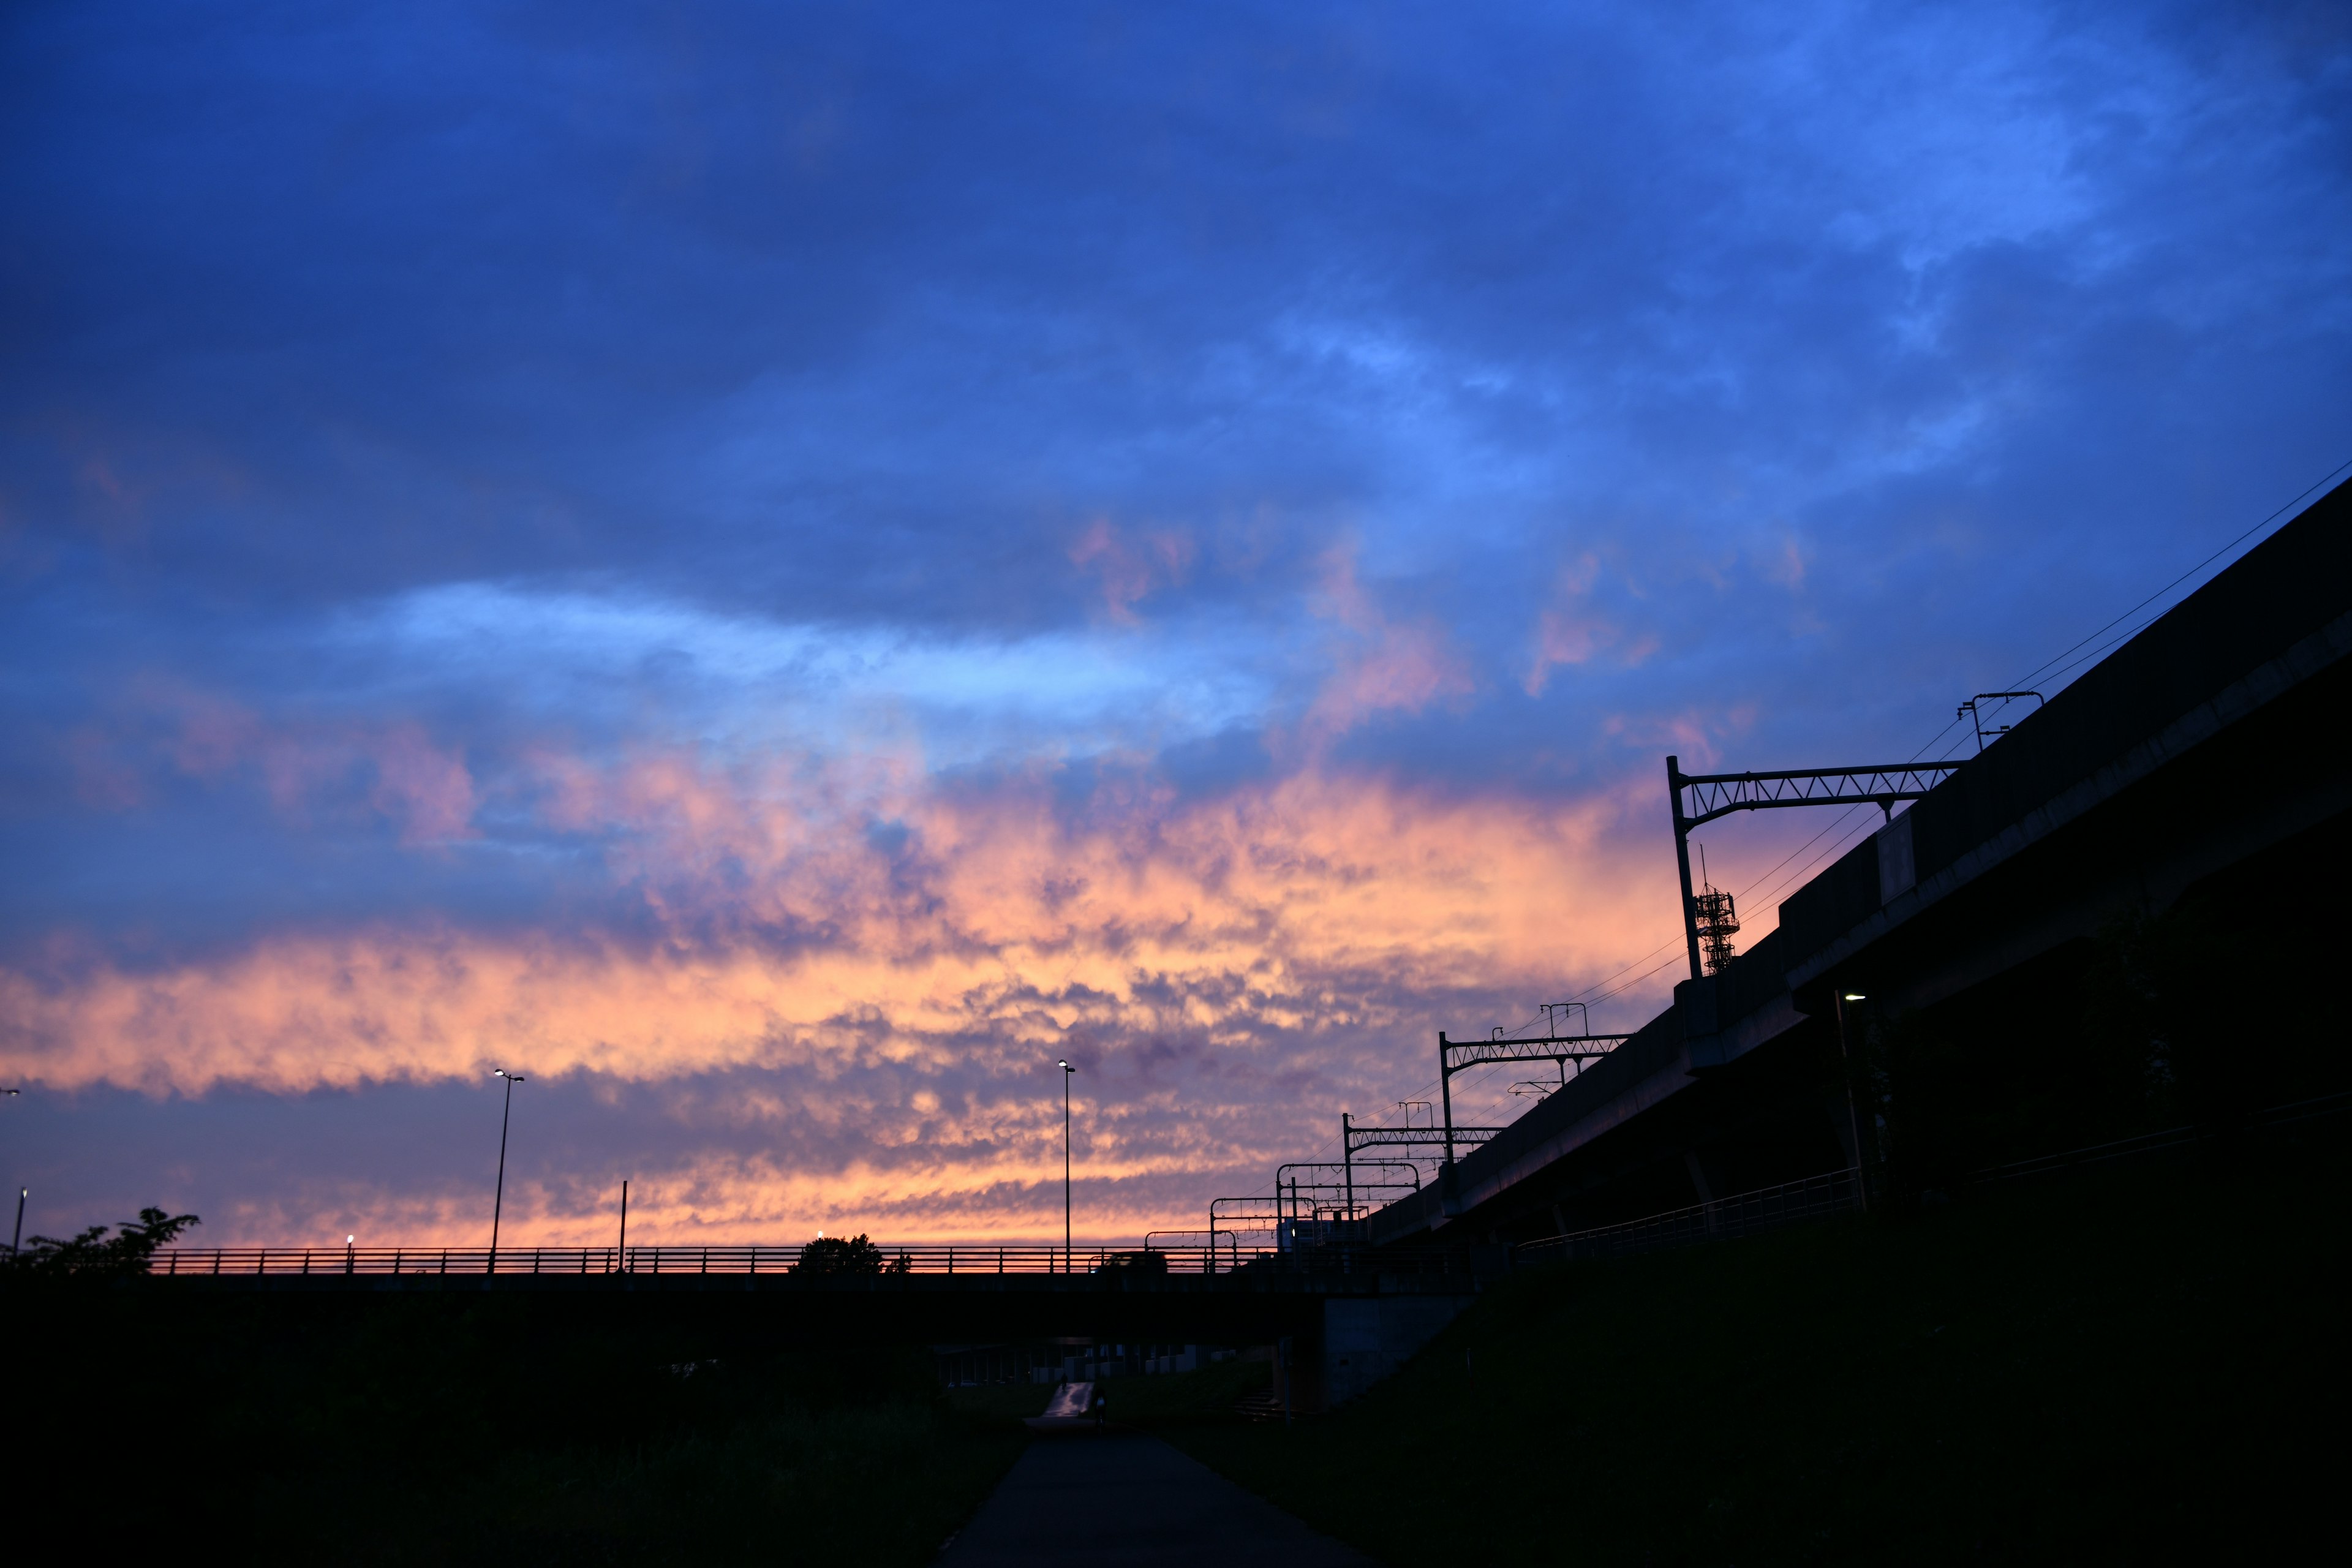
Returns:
<point x="2043" y="669"/>
<point x="2063" y="662"/>
<point x="2097" y="643"/>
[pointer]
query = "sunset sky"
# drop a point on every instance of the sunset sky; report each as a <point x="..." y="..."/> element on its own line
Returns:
<point x="779" y="568"/>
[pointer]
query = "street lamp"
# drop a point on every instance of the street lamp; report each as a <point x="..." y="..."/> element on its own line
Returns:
<point x="1853" y="1117"/>
<point x="1066" y="1070"/>
<point x="497" y="1202"/>
<point x="16" y="1242"/>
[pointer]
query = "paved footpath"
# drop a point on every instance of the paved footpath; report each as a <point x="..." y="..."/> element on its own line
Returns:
<point x="1123" y="1498"/>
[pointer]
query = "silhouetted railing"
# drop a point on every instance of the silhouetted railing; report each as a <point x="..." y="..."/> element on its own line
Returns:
<point x="388" y="1260"/>
<point x="956" y="1260"/>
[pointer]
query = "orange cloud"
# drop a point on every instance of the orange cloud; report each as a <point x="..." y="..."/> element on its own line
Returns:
<point x="1381" y="664"/>
<point x="1132" y="565"/>
<point x="1572" y="630"/>
<point x="425" y="789"/>
<point x="1694" y="735"/>
<point x="1277" y="906"/>
<point x="896" y="996"/>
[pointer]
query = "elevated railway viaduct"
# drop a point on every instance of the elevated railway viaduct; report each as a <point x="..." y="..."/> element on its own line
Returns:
<point x="2196" y="768"/>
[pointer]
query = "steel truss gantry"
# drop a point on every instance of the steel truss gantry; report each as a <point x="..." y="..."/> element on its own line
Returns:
<point x="1719" y="795"/>
<point x="1283" y="1206"/>
<point x="1352" y="1138"/>
<point x="1295" y="1186"/>
<point x="1453" y="1056"/>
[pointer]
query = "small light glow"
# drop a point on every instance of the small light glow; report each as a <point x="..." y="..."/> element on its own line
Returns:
<point x="349" y="1239"/>
<point x="1855" y="996"/>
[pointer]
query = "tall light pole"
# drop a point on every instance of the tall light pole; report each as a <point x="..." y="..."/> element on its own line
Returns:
<point x="1853" y="1116"/>
<point x="497" y="1202"/>
<point x="1066" y="1070"/>
<point x="16" y="1242"/>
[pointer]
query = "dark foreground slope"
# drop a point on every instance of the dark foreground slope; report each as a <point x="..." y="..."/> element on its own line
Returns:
<point x="2146" y="1364"/>
<point x="472" y="1430"/>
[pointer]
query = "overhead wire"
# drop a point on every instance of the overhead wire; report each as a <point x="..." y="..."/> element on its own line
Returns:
<point x="2062" y="659"/>
<point x="2090" y="647"/>
<point x="2119" y="629"/>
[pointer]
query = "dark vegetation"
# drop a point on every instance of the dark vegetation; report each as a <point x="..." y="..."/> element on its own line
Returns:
<point x="2146" y="1364"/>
<point x="475" y="1428"/>
<point x="854" y="1255"/>
<point x="92" y="1254"/>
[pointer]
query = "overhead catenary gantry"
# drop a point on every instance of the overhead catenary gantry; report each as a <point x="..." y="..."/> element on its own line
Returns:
<point x="1455" y="1056"/>
<point x="1285" y="1184"/>
<point x="1352" y="1138"/>
<point x="1719" y="795"/>
<point x="1281" y="1208"/>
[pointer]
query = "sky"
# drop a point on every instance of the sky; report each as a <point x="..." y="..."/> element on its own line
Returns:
<point x="779" y="570"/>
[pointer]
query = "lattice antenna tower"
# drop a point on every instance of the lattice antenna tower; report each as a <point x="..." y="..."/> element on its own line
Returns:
<point x="1717" y="919"/>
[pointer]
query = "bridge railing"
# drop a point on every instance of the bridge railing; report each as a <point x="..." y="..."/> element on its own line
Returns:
<point x="960" y="1259"/>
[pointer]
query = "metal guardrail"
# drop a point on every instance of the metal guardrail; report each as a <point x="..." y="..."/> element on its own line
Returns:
<point x="576" y="1260"/>
<point x="966" y="1261"/>
<point x="1767" y="1208"/>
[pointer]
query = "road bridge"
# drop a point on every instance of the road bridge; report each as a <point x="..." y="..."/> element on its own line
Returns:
<point x="1350" y="1317"/>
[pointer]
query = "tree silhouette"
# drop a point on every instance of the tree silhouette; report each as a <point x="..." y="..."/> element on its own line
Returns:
<point x="93" y="1254"/>
<point x="829" y="1255"/>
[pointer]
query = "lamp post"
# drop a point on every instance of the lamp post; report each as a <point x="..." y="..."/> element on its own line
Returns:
<point x="497" y="1202"/>
<point x="1066" y="1070"/>
<point x="16" y="1242"/>
<point x="1853" y="1116"/>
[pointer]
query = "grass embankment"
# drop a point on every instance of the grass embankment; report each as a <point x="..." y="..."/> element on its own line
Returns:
<point x="2146" y="1364"/>
<point x="476" y="1430"/>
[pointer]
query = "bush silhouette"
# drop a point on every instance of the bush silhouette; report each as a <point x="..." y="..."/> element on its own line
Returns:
<point x="93" y="1254"/>
<point x="829" y="1255"/>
